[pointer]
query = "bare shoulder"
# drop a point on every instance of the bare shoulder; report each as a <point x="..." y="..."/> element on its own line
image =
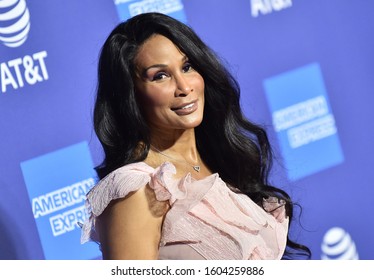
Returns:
<point x="141" y="203"/>
<point x="130" y="227"/>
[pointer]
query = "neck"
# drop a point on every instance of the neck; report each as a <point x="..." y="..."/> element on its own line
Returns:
<point x="195" y="166"/>
<point x="181" y="150"/>
<point x="180" y="144"/>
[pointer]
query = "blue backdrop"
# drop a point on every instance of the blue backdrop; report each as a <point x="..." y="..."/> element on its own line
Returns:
<point x="306" y="72"/>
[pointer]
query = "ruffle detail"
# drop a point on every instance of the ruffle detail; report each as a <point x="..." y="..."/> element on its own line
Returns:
<point x="231" y="226"/>
<point x="205" y="214"/>
<point x="120" y="183"/>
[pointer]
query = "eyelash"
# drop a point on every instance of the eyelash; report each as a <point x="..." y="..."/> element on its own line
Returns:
<point x="187" y="65"/>
<point x="161" y="75"/>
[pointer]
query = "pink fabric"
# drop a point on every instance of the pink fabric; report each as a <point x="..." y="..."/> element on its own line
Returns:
<point x="207" y="220"/>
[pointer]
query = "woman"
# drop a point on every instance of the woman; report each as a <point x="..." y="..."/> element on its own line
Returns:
<point x="184" y="174"/>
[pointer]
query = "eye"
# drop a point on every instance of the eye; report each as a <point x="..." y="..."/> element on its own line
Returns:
<point x="187" y="67"/>
<point x="159" y="76"/>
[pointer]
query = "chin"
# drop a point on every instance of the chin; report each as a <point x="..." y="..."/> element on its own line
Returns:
<point x="188" y="125"/>
<point x="195" y="124"/>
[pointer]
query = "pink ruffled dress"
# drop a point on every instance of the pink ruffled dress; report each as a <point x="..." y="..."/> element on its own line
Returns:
<point x="206" y="220"/>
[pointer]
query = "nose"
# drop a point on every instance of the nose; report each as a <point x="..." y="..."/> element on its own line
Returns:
<point x="183" y="86"/>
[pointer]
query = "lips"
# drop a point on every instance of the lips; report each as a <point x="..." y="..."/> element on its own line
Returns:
<point x="186" y="108"/>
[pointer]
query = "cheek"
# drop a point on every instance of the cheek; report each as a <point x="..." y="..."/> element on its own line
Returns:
<point x="147" y="94"/>
<point x="153" y="95"/>
<point x="147" y="107"/>
<point x="199" y="83"/>
<point x="153" y="101"/>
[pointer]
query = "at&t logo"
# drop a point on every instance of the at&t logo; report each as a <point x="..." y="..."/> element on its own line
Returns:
<point x="14" y="29"/>
<point x="337" y="244"/>
<point x="14" y="22"/>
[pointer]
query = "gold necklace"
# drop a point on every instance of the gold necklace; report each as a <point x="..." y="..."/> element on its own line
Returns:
<point x="195" y="167"/>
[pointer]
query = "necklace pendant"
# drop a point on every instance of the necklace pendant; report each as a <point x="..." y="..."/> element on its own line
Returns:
<point x="196" y="168"/>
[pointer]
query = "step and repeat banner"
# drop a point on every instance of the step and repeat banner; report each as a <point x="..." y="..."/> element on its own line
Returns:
<point x="306" y="70"/>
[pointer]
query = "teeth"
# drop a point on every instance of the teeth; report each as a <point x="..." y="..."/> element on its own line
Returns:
<point x="187" y="106"/>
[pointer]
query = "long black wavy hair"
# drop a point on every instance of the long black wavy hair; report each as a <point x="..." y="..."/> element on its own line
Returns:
<point x="228" y="143"/>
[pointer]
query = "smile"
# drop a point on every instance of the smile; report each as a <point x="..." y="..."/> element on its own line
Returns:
<point x="186" y="109"/>
<point x="187" y="106"/>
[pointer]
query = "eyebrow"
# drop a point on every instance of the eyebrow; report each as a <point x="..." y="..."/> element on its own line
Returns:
<point x="154" y="66"/>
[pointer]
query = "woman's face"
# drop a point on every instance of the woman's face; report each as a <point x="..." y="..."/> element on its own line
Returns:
<point x="170" y="91"/>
